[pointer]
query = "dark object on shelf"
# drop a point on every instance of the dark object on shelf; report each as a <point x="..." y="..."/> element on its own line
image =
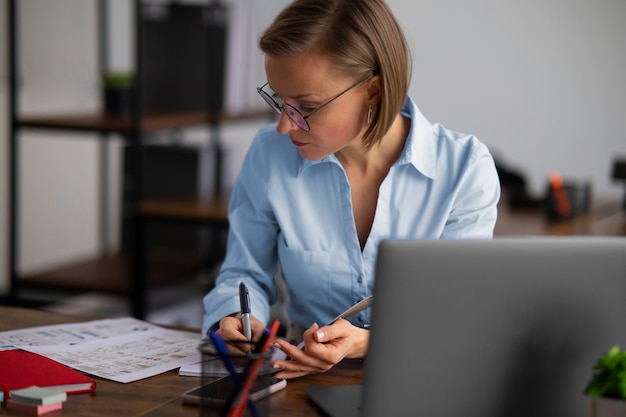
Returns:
<point x="118" y="101"/>
<point x="118" y="94"/>
<point x="619" y="174"/>
<point x="513" y="185"/>
<point x="170" y="172"/>
<point x="183" y="56"/>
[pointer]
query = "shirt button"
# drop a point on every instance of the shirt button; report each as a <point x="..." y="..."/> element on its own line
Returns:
<point x="359" y="280"/>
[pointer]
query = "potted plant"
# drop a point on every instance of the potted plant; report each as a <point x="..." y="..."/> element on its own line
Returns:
<point x="607" y="387"/>
<point x="118" y="93"/>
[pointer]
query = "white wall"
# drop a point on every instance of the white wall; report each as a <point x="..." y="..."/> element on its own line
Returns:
<point x="542" y="83"/>
<point x="58" y="173"/>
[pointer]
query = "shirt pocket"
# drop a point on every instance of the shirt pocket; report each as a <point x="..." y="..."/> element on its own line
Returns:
<point x="307" y="274"/>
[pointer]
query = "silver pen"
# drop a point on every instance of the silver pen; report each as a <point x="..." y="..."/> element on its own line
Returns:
<point x="361" y="305"/>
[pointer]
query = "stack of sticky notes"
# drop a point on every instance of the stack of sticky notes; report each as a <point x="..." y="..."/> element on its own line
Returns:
<point x="36" y="400"/>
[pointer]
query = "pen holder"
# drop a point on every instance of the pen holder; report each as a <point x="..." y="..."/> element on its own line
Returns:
<point x="571" y="200"/>
<point x="222" y="391"/>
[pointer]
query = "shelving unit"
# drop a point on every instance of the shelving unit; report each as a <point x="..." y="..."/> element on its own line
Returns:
<point x="132" y="270"/>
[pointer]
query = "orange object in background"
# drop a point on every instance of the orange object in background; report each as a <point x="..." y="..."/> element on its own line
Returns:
<point x="561" y="201"/>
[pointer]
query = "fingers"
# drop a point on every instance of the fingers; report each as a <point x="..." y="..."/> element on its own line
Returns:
<point x="257" y="328"/>
<point x="314" y="358"/>
<point x="351" y="341"/>
<point x="300" y="364"/>
<point x="337" y="341"/>
<point x="330" y="343"/>
<point x="231" y="330"/>
<point x="337" y="330"/>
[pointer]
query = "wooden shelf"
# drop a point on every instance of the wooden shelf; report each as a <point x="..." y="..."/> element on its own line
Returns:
<point x="112" y="273"/>
<point x="210" y="210"/>
<point x="103" y="123"/>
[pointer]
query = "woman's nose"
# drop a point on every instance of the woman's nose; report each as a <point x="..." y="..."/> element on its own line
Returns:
<point x="285" y="124"/>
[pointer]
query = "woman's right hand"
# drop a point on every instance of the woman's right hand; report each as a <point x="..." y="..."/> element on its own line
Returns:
<point x="231" y="329"/>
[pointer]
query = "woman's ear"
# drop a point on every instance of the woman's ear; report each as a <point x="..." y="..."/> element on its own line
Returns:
<point x="374" y="90"/>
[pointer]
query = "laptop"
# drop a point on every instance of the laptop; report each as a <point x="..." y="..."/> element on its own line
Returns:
<point x="507" y="327"/>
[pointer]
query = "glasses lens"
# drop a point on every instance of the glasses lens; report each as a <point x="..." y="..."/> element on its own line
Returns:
<point x="269" y="100"/>
<point x="272" y="99"/>
<point x="296" y="117"/>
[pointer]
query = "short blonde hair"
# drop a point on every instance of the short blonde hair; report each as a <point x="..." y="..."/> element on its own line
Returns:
<point x="361" y="37"/>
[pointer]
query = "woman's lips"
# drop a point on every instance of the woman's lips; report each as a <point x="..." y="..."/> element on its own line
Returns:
<point x="295" y="142"/>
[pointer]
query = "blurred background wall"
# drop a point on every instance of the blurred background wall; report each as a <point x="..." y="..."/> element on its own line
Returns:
<point x="541" y="83"/>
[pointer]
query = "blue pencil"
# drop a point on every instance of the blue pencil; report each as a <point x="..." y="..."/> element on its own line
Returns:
<point x="222" y="350"/>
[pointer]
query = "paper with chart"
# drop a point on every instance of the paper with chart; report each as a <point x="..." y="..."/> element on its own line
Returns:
<point x="72" y="333"/>
<point x="130" y="357"/>
<point x="122" y="350"/>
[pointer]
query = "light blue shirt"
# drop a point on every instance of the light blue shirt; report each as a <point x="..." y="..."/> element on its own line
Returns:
<point x="289" y="210"/>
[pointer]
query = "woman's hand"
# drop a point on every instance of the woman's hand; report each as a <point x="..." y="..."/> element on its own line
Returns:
<point x="324" y="347"/>
<point x="231" y="330"/>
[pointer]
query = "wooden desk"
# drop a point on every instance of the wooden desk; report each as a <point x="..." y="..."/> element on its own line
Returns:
<point x="160" y="396"/>
<point x="605" y="218"/>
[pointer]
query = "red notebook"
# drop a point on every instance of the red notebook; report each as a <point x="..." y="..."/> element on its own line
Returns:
<point x="22" y="369"/>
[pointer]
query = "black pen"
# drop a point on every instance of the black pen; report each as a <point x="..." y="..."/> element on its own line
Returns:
<point x="244" y="300"/>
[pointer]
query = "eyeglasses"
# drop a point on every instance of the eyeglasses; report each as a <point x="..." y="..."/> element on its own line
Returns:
<point x="294" y="114"/>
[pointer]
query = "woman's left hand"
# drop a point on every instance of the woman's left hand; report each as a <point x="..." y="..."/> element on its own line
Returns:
<point x="324" y="347"/>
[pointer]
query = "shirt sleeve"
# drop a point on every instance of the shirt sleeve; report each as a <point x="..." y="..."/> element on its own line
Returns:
<point x="474" y="213"/>
<point x="251" y="255"/>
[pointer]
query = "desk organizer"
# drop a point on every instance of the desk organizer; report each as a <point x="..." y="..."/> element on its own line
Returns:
<point x="567" y="201"/>
<point x="223" y="393"/>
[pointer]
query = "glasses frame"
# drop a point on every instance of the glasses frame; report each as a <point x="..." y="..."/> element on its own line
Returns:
<point x="303" y="122"/>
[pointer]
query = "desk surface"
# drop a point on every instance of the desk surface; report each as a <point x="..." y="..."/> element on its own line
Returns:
<point x="605" y="218"/>
<point x="161" y="395"/>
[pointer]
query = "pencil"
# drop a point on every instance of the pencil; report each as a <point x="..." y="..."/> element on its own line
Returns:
<point x="238" y="407"/>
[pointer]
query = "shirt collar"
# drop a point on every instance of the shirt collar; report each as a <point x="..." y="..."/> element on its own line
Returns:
<point x="419" y="149"/>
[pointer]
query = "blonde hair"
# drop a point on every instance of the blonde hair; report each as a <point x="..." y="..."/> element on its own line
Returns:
<point x="361" y="37"/>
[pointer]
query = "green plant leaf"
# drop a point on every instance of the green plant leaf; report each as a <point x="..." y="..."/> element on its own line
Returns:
<point x="609" y="375"/>
<point x="118" y="79"/>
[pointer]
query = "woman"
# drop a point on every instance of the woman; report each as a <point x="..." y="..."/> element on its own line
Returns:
<point x="351" y="161"/>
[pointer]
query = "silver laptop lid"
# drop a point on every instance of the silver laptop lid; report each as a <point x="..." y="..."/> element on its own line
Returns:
<point x="508" y="327"/>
